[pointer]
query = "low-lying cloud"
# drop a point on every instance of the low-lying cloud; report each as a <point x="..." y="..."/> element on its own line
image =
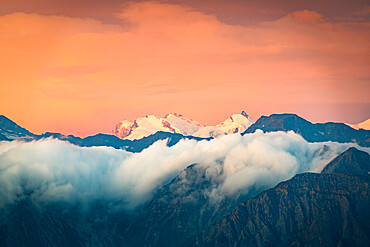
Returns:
<point x="55" y="171"/>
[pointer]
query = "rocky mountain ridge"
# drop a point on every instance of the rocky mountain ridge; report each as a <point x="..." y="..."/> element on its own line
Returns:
<point x="326" y="209"/>
<point x="311" y="132"/>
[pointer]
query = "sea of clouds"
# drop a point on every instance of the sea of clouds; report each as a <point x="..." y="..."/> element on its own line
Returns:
<point x="50" y="170"/>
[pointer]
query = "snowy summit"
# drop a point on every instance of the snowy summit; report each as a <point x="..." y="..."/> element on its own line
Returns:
<point x="176" y="123"/>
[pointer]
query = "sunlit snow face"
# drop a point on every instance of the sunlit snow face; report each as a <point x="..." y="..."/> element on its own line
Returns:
<point x="176" y="123"/>
<point x="54" y="171"/>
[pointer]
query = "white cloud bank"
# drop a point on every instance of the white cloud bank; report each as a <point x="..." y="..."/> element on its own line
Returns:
<point x="52" y="170"/>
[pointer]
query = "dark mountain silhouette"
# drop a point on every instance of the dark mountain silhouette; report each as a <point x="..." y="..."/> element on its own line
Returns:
<point x="320" y="132"/>
<point x="353" y="161"/>
<point x="9" y="130"/>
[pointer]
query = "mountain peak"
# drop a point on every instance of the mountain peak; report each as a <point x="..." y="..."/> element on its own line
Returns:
<point x="173" y="114"/>
<point x="11" y="130"/>
<point x="351" y="161"/>
<point x="244" y="114"/>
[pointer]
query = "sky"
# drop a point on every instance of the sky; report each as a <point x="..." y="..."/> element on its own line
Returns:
<point x="79" y="67"/>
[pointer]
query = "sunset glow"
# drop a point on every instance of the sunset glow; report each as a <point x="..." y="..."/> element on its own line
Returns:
<point x="79" y="68"/>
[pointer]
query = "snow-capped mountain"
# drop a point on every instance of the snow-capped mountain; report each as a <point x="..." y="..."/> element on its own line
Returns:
<point x="184" y="125"/>
<point x="363" y="125"/>
<point x="142" y="127"/>
<point x="237" y="123"/>
<point x="176" y="123"/>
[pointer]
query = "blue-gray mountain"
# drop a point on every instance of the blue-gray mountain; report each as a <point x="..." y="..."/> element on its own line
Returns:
<point x="352" y="161"/>
<point x="320" y="132"/>
<point x="9" y="130"/>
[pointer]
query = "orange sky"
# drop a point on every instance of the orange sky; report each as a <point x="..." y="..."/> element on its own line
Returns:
<point x="80" y="74"/>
